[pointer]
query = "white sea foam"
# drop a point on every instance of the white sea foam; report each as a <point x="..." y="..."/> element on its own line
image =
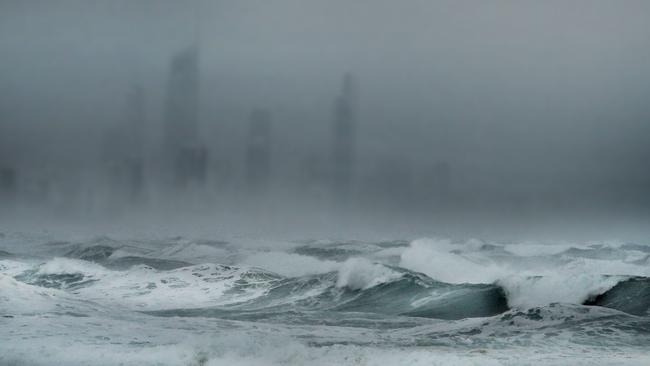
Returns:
<point x="571" y="279"/>
<point x="361" y="274"/>
<point x="20" y="298"/>
<point x="436" y="259"/>
<point x="525" y="292"/>
<point x="94" y="324"/>
<point x="145" y="288"/>
<point x="71" y="266"/>
<point x="239" y="348"/>
<point x="13" y="267"/>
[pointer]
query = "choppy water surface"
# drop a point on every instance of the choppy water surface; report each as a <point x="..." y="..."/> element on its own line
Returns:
<point x="181" y="301"/>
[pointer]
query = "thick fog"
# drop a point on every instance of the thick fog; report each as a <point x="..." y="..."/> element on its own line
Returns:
<point x="290" y="115"/>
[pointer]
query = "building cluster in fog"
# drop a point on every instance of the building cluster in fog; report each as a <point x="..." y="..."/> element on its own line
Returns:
<point x="129" y="172"/>
<point x="118" y="106"/>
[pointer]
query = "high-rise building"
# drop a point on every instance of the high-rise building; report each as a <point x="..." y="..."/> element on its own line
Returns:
<point x="258" y="155"/>
<point x="186" y="158"/>
<point x="182" y="100"/>
<point x="344" y="137"/>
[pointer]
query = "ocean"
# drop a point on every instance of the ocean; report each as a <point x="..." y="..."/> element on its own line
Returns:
<point x="101" y="300"/>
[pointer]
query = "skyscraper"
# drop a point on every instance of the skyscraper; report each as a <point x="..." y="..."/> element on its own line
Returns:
<point x="344" y="137"/>
<point x="258" y="155"/>
<point x="186" y="158"/>
<point x="182" y="100"/>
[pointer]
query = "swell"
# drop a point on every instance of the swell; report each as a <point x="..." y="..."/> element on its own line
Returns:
<point x="209" y="290"/>
<point x="631" y="296"/>
<point x="420" y="296"/>
<point x="412" y="295"/>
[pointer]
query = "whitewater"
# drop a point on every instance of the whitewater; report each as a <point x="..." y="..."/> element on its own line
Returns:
<point x="101" y="300"/>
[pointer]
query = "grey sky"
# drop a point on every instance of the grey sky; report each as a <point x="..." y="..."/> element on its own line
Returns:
<point x="518" y="96"/>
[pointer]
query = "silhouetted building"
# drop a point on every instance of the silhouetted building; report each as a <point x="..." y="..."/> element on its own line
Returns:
<point x="258" y="155"/>
<point x="186" y="158"/>
<point x="344" y="137"/>
<point x="182" y="100"/>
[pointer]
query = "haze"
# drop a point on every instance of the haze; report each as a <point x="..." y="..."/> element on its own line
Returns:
<point x="291" y="116"/>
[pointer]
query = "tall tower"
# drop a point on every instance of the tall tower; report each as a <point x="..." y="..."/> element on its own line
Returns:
<point x="186" y="158"/>
<point x="182" y="100"/>
<point x="258" y="155"/>
<point x="344" y="137"/>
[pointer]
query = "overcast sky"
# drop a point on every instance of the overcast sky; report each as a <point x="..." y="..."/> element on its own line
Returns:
<point x="546" y="95"/>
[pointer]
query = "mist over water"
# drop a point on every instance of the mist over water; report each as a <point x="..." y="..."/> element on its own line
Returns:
<point x="456" y="182"/>
<point x="422" y="112"/>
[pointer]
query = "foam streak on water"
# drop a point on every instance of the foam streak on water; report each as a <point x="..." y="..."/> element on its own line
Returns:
<point x="180" y="301"/>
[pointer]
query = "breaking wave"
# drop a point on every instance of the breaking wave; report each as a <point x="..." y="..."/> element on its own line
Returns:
<point x="356" y="285"/>
<point x="164" y="301"/>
